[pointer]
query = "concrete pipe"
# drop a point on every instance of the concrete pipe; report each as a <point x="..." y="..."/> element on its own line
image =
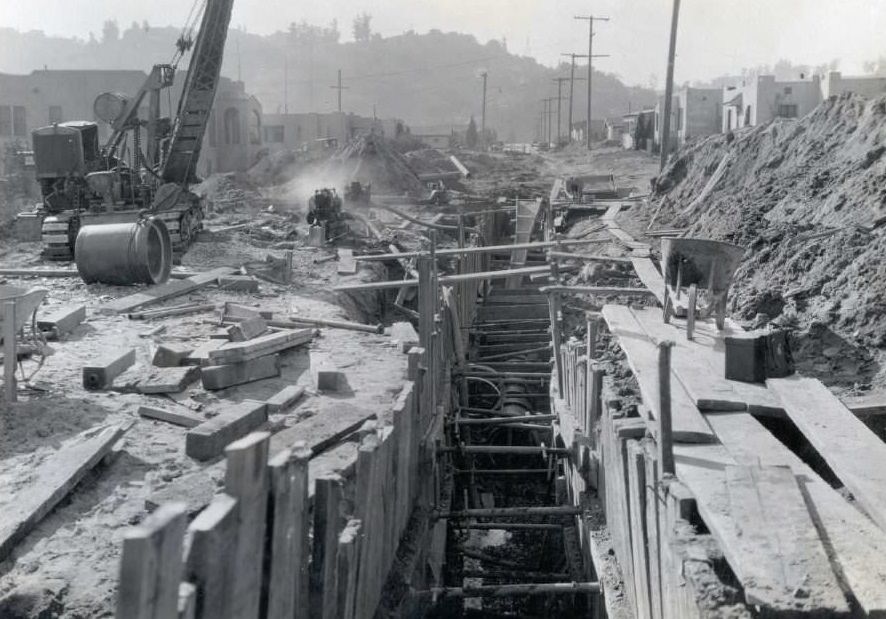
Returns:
<point x="127" y="253"/>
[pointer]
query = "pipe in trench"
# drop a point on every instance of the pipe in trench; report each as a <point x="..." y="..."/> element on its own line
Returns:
<point x="124" y="253"/>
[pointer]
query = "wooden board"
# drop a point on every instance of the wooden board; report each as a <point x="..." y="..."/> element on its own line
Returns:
<point x="210" y="560"/>
<point x="650" y="277"/>
<point x="177" y="417"/>
<point x="700" y="365"/>
<point x="642" y="354"/>
<point x="210" y="438"/>
<point x="702" y="468"/>
<point x="247" y="329"/>
<point x="228" y="375"/>
<point x="858" y="545"/>
<point x="855" y="454"/>
<point x="776" y="535"/>
<point x="237" y="352"/>
<point x="51" y="481"/>
<point x="172" y="354"/>
<point x="284" y="399"/>
<point x="157" y="294"/>
<point x="101" y="374"/>
<point x="246" y="479"/>
<point x="62" y="320"/>
<point x="168" y="380"/>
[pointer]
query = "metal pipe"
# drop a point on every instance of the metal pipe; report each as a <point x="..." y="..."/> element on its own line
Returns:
<point x="498" y="591"/>
<point x="125" y="253"/>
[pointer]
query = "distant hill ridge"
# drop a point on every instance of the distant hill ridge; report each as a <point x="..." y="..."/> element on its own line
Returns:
<point x="425" y="79"/>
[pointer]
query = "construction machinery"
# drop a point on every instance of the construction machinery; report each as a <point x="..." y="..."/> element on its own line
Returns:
<point x="358" y="193"/>
<point x="147" y="164"/>
<point x="325" y="209"/>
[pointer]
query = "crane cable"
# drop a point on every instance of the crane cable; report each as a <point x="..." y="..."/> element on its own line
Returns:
<point x="185" y="39"/>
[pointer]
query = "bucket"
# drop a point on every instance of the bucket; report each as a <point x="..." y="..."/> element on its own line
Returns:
<point x="124" y="253"/>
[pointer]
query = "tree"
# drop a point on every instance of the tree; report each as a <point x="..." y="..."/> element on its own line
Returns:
<point x="471" y="134"/>
<point x="110" y="31"/>
<point x="362" y="29"/>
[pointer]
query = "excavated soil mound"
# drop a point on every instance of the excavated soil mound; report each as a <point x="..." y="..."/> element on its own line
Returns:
<point x="807" y="198"/>
<point x="370" y="159"/>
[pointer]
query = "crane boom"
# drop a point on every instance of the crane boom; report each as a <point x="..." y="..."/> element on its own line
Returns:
<point x="198" y="94"/>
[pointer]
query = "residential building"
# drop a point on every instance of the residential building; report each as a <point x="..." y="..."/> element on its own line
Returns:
<point x="761" y="99"/>
<point x="233" y="138"/>
<point x="639" y="130"/>
<point x="695" y="112"/>
<point x="834" y="83"/>
<point x="614" y="128"/>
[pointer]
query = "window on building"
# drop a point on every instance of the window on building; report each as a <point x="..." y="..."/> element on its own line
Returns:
<point x="254" y="128"/>
<point x="55" y="114"/>
<point x="274" y="134"/>
<point x="5" y="120"/>
<point x="788" y="90"/>
<point x="210" y="127"/>
<point x="19" y="121"/>
<point x="786" y="110"/>
<point x="232" y="126"/>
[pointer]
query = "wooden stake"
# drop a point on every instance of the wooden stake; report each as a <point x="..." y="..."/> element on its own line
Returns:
<point x="665" y="432"/>
<point x="10" y="360"/>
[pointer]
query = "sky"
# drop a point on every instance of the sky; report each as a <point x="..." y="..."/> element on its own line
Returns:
<point x="715" y="37"/>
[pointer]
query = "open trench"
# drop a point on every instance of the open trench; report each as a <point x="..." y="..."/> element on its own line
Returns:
<point x="511" y="546"/>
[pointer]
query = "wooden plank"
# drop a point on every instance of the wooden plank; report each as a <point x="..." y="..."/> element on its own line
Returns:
<point x="654" y="505"/>
<point x="210" y="561"/>
<point x="650" y="277"/>
<point x="284" y="399"/>
<point x="237" y="352"/>
<point x="172" y="354"/>
<point x="162" y="292"/>
<point x="101" y="374"/>
<point x="227" y="375"/>
<point x="200" y="355"/>
<point x="855" y="454"/>
<point x="179" y="418"/>
<point x="246" y="479"/>
<point x="286" y="543"/>
<point x="642" y="355"/>
<point x="700" y="364"/>
<point x="703" y="469"/>
<point x="51" y="480"/>
<point x="346" y="569"/>
<point x="367" y="509"/>
<point x="404" y="470"/>
<point x="62" y="319"/>
<point x="247" y="329"/>
<point x="10" y="388"/>
<point x="346" y="263"/>
<point x="151" y="565"/>
<point x="858" y="545"/>
<point x="328" y="493"/>
<point x="235" y="421"/>
<point x="778" y="543"/>
<point x="167" y="380"/>
<point x="639" y="536"/>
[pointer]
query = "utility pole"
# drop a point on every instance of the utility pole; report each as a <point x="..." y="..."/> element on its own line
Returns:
<point x="549" y="113"/>
<point x="591" y="19"/>
<point x="572" y="79"/>
<point x="559" y="81"/>
<point x="669" y="89"/>
<point x="483" y="117"/>
<point x="339" y="88"/>
<point x="285" y="83"/>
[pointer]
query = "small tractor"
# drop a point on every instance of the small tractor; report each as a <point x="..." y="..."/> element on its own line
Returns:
<point x="358" y="193"/>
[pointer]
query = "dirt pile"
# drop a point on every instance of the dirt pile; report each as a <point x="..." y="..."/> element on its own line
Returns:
<point x="229" y="192"/>
<point x="807" y="198"/>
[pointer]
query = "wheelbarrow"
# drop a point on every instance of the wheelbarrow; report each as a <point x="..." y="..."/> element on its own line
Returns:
<point x="17" y="308"/>
<point x="697" y="274"/>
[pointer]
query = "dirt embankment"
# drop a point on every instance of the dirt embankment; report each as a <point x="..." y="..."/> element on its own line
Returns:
<point x="807" y="199"/>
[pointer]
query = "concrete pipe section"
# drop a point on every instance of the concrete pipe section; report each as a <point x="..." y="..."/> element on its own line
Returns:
<point x="124" y="253"/>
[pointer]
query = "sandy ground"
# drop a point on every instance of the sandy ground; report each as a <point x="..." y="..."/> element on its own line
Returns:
<point x="68" y="565"/>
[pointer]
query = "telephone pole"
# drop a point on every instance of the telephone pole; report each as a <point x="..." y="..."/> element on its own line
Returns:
<point x="549" y="113"/>
<point x="483" y="117"/>
<point x="669" y="90"/>
<point x="559" y="81"/>
<point x="339" y="88"/>
<point x="591" y="19"/>
<point x="572" y="80"/>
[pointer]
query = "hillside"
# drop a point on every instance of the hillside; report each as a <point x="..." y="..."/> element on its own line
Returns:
<point x="807" y="198"/>
<point x="425" y="79"/>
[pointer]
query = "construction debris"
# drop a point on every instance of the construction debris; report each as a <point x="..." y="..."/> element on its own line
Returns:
<point x="101" y="374"/>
